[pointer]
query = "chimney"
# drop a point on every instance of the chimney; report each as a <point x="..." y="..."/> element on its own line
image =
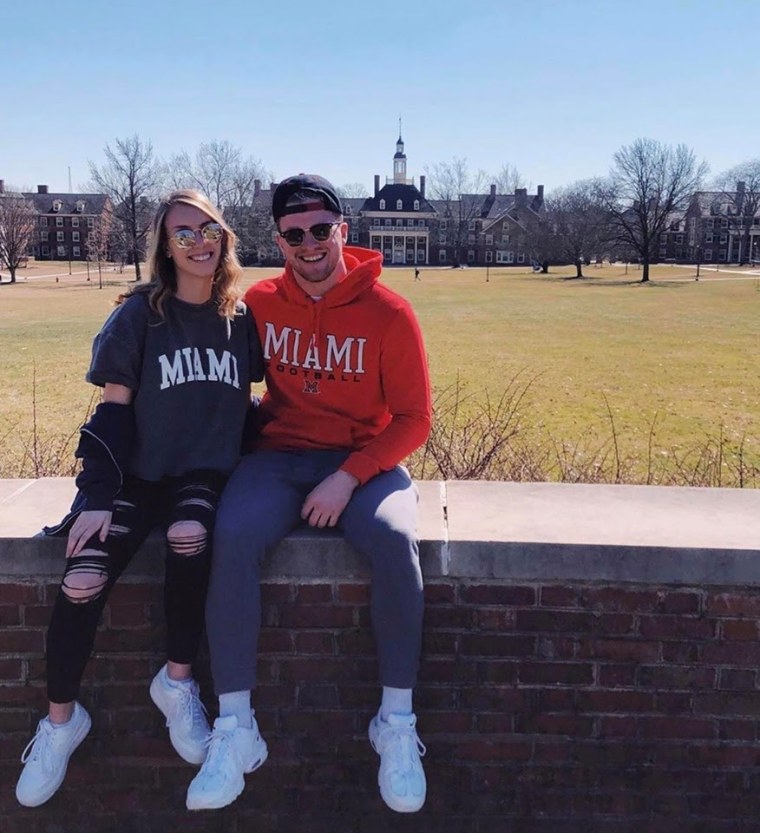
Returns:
<point x="493" y="190"/>
<point x="256" y="187"/>
<point x="422" y="186"/>
<point x="521" y="197"/>
<point x="540" y="193"/>
<point x="2" y="186"/>
<point x="42" y="189"/>
<point x="377" y="184"/>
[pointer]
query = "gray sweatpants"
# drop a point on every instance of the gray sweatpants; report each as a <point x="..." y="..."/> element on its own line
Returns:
<point x="260" y="505"/>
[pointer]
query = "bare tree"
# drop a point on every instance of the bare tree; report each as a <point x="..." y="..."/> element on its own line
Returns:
<point x="741" y="190"/>
<point x="575" y="225"/>
<point x="18" y="223"/>
<point x="649" y="181"/>
<point x="352" y="190"/>
<point x="460" y="190"/>
<point x="99" y="242"/>
<point x="509" y="179"/>
<point x="132" y="177"/>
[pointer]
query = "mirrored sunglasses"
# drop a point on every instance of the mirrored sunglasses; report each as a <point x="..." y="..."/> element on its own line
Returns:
<point x="320" y="232"/>
<point x="185" y="237"/>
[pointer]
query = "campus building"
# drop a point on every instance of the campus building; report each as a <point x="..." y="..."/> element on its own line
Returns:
<point x="401" y="220"/>
<point x="64" y="223"/>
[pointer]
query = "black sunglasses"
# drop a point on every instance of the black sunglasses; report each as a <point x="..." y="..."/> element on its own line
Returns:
<point x="320" y="232"/>
<point x="185" y="237"/>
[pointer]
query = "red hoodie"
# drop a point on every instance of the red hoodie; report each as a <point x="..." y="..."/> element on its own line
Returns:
<point x="347" y="371"/>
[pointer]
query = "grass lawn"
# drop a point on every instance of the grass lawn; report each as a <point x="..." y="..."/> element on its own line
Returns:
<point x="680" y="354"/>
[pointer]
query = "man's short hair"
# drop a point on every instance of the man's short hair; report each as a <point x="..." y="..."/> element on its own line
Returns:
<point x="304" y="192"/>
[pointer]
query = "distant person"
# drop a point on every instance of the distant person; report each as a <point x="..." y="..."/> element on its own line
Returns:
<point x="175" y="359"/>
<point x="348" y="398"/>
<point x="416" y="273"/>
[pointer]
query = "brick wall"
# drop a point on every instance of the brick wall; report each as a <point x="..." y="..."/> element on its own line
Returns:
<point x="552" y="707"/>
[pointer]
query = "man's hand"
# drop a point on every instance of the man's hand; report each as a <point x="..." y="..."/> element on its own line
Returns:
<point x="325" y="503"/>
<point x="85" y="526"/>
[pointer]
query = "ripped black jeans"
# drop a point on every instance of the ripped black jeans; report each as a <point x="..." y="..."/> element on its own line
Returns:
<point x="185" y="507"/>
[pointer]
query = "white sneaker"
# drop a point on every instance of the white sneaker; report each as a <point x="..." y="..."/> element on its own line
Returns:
<point x="47" y="755"/>
<point x="233" y="751"/>
<point x="185" y="716"/>
<point x="401" y="777"/>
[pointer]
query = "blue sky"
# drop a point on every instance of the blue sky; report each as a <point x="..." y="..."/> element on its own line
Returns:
<point x="552" y="87"/>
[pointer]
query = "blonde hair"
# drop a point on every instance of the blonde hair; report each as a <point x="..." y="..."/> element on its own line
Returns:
<point x="160" y="267"/>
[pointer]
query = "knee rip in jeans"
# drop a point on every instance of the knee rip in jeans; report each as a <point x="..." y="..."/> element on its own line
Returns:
<point x="86" y="576"/>
<point x="187" y="537"/>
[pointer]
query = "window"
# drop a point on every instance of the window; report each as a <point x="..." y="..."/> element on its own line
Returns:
<point x="348" y="209"/>
<point x="43" y="236"/>
<point x="90" y="222"/>
<point x="59" y="221"/>
<point x="489" y="240"/>
<point x="387" y="222"/>
<point x="708" y="254"/>
<point x="722" y="254"/>
<point x="505" y="238"/>
<point x="410" y="255"/>
<point x="503" y="256"/>
<point x="399" y="205"/>
<point x="59" y="236"/>
<point x="74" y="236"/>
<point x="521" y="258"/>
<point x="399" y="221"/>
<point x="43" y="221"/>
<point x="470" y="256"/>
<point x="76" y="251"/>
<point x="443" y="239"/>
<point x="61" y="251"/>
<point x="679" y="238"/>
<point x="416" y="205"/>
<point x="489" y="256"/>
<point x="724" y="238"/>
<point x="708" y="238"/>
<point x="376" y="221"/>
<point x="45" y="251"/>
<point x="724" y="223"/>
<point x="75" y="222"/>
<point x="471" y="225"/>
<point x="382" y="205"/>
<point x="410" y="222"/>
<point x="709" y="223"/>
<point x="441" y="255"/>
<point x="57" y="205"/>
<point x="421" y="223"/>
<point x="80" y="206"/>
<point x="354" y="236"/>
<point x="444" y="224"/>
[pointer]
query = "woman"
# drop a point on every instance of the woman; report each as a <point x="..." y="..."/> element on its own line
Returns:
<point x="175" y="360"/>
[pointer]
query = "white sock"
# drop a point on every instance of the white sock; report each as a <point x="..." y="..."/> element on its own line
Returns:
<point x="237" y="704"/>
<point x="395" y="701"/>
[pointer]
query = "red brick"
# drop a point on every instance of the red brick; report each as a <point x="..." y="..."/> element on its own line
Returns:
<point x="314" y="642"/>
<point x="437" y="642"/>
<point x="10" y="670"/>
<point x="494" y="723"/>
<point x="458" y="722"/>
<point x="615" y="726"/>
<point x="613" y="675"/>
<point x="677" y="627"/>
<point x="685" y="727"/>
<point x="492" y="619"/>
<point x="314" y="594"/>
<point x="559" y="596"/>
<point x="274" y="592"/>
<point x="676" y="677"/>
<point x="745" y="654"/>
<point x="355" y="641"/>
<point x="737" y="730"/>
<point x="462" y="618"/>
<point x="673" y="703"/>
<point x="439" y="594"/>
<point x="642" y="601"/>
<point x="737" y="679"/>
<point x="495" y="672"/>
<point x="484" y="750"/>
<point x="10" y="615"/>
<point x="631" y="650"/>
<point x="615" y="701"/>
<point x="733" y="604"/>
<point x="559" y="673"/>
<point x="316" y="616"/>
<point x="728" y="704"/>
<point x="126" y="593"/>
<point x="576" y="726"/>
<point x="36" y="616"/>
<point x="20" y="594"/>
<point x="276" y="641"/>
<point x="680" y="652"/>
<point x="317" y="697"/>
<point x="740" y="630"/>
<point x="20" y="640"/>
<point x="557" y="647"/>
<point x="498" y="594"/>
<point x="492" y="698"/>
<point x="555" y="621"/>
<point x="126" y="616"/>
<point x="357" y="594"/>
<point x="499" y="645"/>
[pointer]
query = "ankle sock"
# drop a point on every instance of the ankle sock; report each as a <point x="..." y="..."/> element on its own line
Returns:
<point x="237" y="703"/>
<point x="395" y="701"/>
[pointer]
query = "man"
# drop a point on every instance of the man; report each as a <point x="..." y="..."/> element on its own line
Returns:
<point x="348" y="398"/>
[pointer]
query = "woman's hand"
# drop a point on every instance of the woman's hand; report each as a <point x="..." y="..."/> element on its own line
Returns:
<point x="88" y="523"/>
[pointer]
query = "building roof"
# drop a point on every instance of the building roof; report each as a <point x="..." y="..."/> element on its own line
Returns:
<point x="392" y="193"/>
<point x="43" y="203"/>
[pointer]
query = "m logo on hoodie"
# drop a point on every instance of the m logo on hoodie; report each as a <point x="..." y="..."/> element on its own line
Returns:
<point x="286" y="348"/>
